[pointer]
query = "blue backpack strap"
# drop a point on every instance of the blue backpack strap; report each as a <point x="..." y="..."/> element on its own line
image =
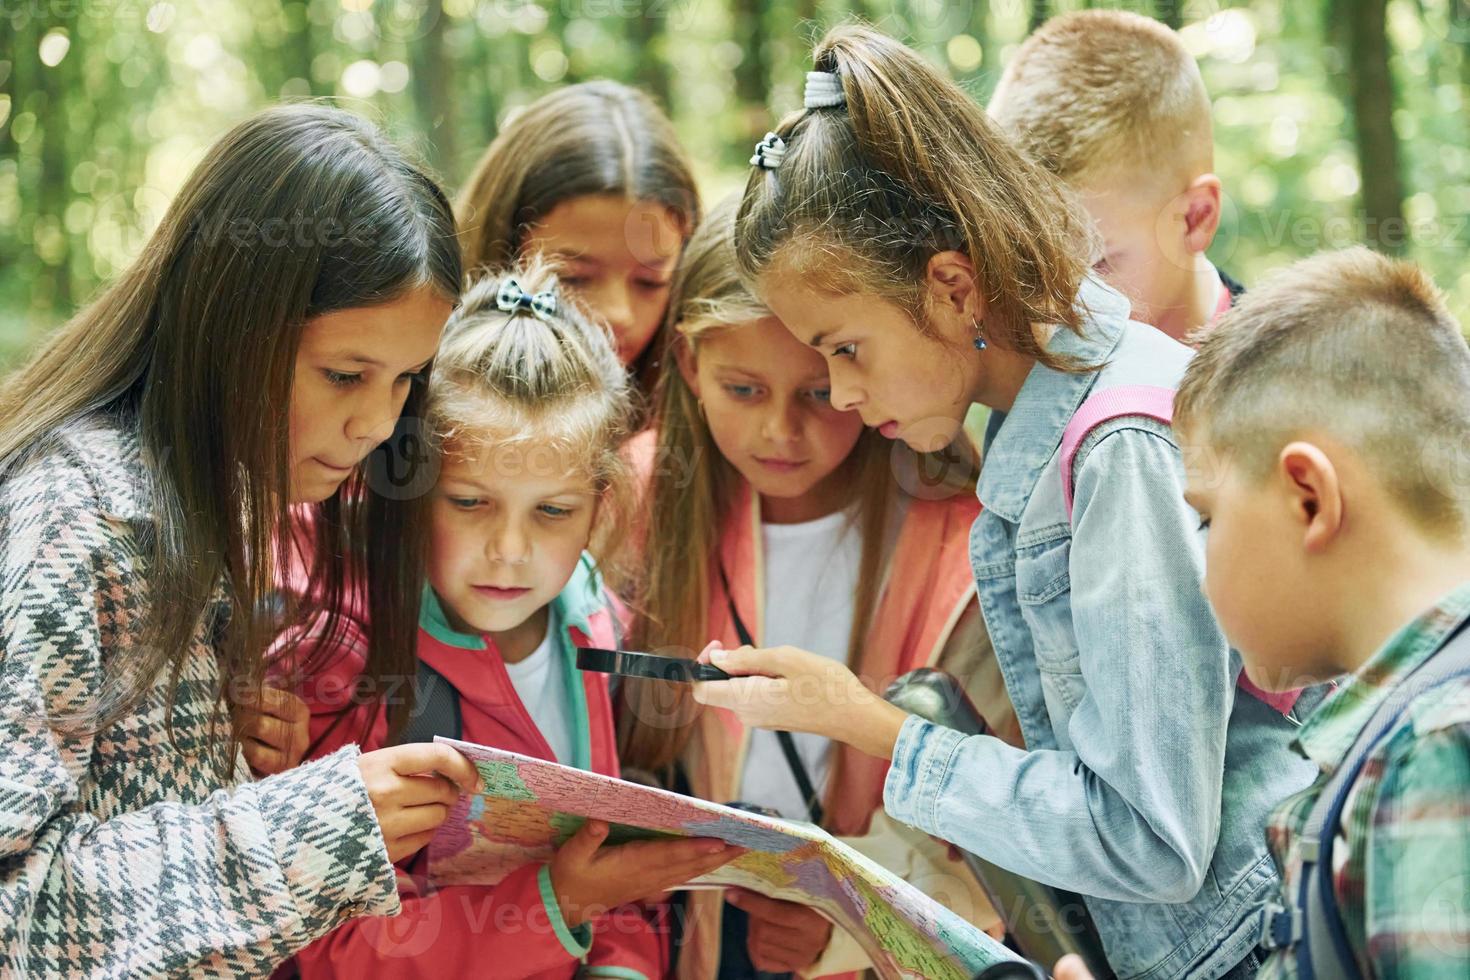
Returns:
<point x="436" y="709"/>
<point x="1313" y="924"/>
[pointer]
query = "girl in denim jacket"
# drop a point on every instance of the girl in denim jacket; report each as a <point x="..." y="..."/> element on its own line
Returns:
<point x="890" y="226"/>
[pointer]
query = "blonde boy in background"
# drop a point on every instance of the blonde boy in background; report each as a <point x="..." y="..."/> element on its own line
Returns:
<point x="1113" y="103"/>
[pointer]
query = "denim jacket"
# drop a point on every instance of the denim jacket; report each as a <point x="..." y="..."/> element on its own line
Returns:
<point x="1148" y="776"/>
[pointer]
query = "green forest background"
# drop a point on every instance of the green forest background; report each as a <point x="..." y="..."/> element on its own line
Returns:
<point x="1337" y="121"/>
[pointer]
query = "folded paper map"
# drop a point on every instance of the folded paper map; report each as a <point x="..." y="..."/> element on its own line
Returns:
<point x="529" y="806"/>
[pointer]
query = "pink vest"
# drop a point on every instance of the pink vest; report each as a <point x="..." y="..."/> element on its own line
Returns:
<point x="927" y="585"/>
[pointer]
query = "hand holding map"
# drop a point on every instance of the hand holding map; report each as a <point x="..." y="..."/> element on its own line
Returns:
<point x="530" y="806"/>
<point x="589" y="878"/>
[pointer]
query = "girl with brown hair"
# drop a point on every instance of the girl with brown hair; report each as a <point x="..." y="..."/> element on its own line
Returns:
<point x="774" y="517"/>
<point x="266" y="352"/>
<point x="591" y="175"/>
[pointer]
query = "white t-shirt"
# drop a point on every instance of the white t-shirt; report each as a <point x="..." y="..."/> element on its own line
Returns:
<point x="811" y="574"/>
<point x="541" y="686"/>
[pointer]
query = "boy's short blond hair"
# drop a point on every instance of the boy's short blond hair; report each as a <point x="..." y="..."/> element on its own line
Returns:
<point x="1354" y="346"/>
<point x="1096" y="93"/>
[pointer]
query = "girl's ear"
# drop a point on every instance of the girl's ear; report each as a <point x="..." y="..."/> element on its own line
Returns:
<point x="950" y="279"/>
<point x="684" y="358"/>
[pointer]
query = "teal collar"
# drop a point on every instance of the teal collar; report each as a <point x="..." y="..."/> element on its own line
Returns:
<point x="582" y="596"/>
<point x="571" y="609"/>
<point x="433" y="621"/>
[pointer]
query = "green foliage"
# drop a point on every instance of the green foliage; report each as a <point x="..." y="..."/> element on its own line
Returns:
<point x="105" y="104"/>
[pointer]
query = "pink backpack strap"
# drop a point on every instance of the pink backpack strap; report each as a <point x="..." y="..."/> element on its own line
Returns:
<point x="1153" y="403"/>
<point x="1282" y="701"/>
<point x="1104" y="406"/>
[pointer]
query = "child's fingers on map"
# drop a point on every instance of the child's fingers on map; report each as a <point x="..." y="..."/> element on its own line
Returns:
<point x="584" y="843"/>
<point x="658" y="865"/>
<point x="403" y="826"/>
<point x="425" y="790"/>
<point x="795" y="926"/>
<point x="682" y="849"/>
<point x="407" y="828"/>
<point x="759" y="906"/>
<point x="622" y="873"/>
<point x="422" y="758"/>
<point x="414" y="820"/>
<point x="412" y="788"/>
<point x="783" y="936"/>
<point x="392" y="789"/>
<point x="775" y="950"/>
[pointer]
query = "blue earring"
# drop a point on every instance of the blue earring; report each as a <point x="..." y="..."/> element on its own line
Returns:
<point x="979" y="340"/>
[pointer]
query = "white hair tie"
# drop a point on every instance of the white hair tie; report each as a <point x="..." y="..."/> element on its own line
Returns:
<point x="823" y="90"/>
<point x="769" y="152"/>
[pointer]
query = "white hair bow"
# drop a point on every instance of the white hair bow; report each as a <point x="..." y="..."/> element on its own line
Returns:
<point x="511" y="297"/>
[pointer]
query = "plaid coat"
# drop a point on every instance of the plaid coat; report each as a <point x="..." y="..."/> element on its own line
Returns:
<point x="123" y="853"/>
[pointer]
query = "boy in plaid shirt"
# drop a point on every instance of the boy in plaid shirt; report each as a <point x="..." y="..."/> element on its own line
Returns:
<point x="1326" y="429"/>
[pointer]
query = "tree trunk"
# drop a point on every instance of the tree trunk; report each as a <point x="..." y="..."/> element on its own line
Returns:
<point x="55" y="83"/>
<point x="11" y="40"/>
<point x="431" y="94"/>
<point x="1040" y="11"/>
<point x="301" y="52"/>
<point x="752" y="75"/>
<point x="647" y="32"/>
<point x="1460" y="30"/>
<point x="807" y="13"/>
<point x="1370" y="82"/>
<point x="979" y="28"/>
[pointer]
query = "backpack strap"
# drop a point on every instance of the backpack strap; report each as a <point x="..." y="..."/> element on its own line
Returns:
<point x="788" y="744"/>
<point x="1313" y="925"/>
<point x="1104" y="406"/>
<point x="1150" y="402"/>
<point x="436" y="709"/>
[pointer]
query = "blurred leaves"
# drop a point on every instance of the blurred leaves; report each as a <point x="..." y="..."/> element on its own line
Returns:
<point x="105" y="105"/>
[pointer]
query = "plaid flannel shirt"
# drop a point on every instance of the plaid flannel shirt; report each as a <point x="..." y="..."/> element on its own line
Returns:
<point x="1402" y="875"/>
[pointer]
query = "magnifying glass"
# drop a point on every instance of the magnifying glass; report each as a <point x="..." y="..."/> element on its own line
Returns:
<point x="652" y="665"/>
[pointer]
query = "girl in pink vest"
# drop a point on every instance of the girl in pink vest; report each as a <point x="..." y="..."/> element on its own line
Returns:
<point x="774" y="516"/>
<point x="527" y="409"/>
